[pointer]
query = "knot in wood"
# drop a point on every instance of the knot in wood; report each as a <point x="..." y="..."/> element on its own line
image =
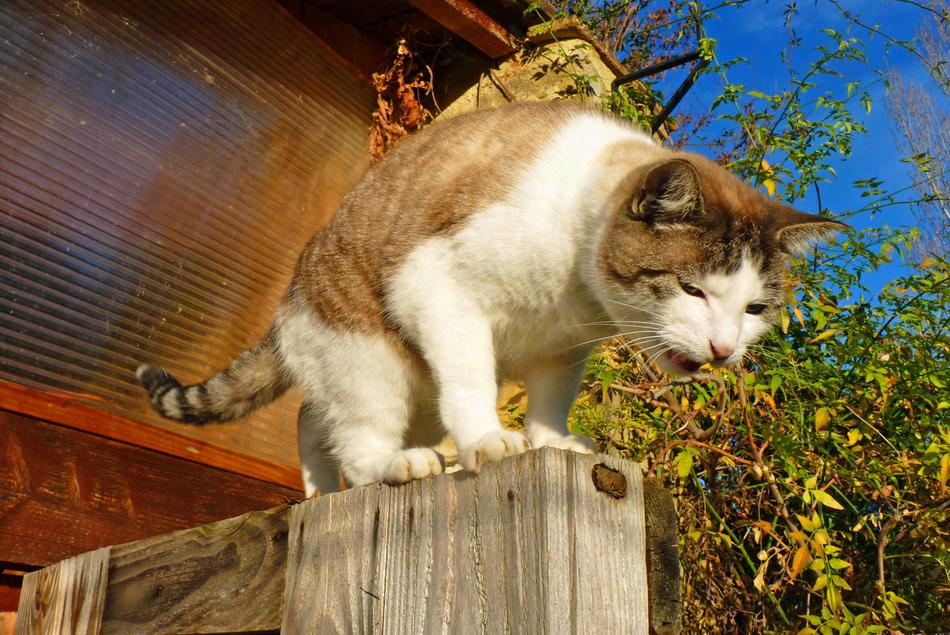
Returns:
<point x="609" y="481"/>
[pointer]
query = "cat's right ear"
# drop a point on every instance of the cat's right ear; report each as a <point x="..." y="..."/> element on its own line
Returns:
<point x="668" y="193"/>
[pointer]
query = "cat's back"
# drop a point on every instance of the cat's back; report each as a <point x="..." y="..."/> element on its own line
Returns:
<point x="430" y="185"/>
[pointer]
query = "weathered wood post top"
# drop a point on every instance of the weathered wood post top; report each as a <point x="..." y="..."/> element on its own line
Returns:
<point x="546" y="542"/>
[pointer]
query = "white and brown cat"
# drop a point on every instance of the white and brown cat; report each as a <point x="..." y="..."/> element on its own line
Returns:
<point x="501" y="244"/>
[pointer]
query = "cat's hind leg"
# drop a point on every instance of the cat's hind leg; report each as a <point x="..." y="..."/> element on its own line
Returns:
<point x="319" y="467"/>
<point x="360" y="390"/>
<point x="552" y="387"/>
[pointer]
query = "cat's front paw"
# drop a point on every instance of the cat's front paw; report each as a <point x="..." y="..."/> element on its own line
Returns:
<point x="572" y="442"/>
<point x="409" y="465"/>
<point x="493" y="446"/>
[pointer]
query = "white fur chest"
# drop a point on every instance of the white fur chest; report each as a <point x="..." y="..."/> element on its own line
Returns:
<point x="518" y="264"/>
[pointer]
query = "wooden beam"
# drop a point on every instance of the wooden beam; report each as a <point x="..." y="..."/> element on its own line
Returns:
<point x="63" y="492"/>
<point x="360" y="53"/>
<point x="76" y="411"/>
<point x="470" y="23"/>
<point x="227" y="577"/>
<point x="9" y="592"/>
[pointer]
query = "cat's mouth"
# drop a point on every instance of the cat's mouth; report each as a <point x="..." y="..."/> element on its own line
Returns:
<point x="680" y="364"/>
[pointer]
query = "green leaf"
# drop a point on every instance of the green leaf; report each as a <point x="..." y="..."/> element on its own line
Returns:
<point x="684" y="464"/>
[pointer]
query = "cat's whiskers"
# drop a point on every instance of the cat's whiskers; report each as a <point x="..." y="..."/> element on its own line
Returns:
<point x="657" y="354"/>
<point x="612" y="336"/>
<point x="619" y="323"/>
<point x="637" y="308"/>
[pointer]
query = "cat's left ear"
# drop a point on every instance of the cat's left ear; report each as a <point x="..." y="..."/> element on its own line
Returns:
<point x="667" y="193"/>
<point x="796" y="231"/>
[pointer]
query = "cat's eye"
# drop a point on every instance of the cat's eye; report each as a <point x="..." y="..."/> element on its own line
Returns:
<point x="755" y="309"/>
<point x="691" y="290"/>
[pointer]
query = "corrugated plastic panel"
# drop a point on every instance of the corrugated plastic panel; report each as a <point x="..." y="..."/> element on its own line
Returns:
<point x="162" y="163"/>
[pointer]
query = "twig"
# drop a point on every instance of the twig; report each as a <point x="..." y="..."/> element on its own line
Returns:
<point x="757" y="452"/>
<point x="881" y="545"/>
<point x="701" y="444"/>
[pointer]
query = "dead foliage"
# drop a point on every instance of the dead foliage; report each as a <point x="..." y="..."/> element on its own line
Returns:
<point x="399" y="106"/>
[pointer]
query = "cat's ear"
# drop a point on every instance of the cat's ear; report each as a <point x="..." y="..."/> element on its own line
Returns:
<point x="669" y="192"/>
<point x="796" y="231"/>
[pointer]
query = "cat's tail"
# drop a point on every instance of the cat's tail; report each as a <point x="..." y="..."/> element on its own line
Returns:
<point x="254" y="379"/>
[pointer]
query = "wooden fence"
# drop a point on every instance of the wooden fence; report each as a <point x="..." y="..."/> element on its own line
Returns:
<point x="546" y="542"/>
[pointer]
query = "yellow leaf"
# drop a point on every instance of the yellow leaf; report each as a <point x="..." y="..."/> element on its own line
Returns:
<point x="853" y="437"/>
<point x="823" y="336"/>
<point x="769" y="182"/>
<point x="820" y="583"/>
<point x="806" y="524"/>
<point x="944" y="469"/>
<point x="822" y="417"/>
<point x="802" y="557"/>
<point x="759" y="581"/>
<point x="826" y="499"/>
<point x="799" y="316"/>
<point x="927" y="262"/>
<point x="764" y="525"/>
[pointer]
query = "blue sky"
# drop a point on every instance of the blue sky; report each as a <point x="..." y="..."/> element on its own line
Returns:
<point x="758" y="33"/>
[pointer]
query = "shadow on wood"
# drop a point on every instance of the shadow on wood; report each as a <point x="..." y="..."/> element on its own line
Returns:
<point x="546" y="542"/>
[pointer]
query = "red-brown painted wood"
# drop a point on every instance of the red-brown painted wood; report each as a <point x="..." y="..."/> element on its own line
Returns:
<point x="64" y="492"/>
<point x="82" y="413"/>
<point x="470" y="23"/>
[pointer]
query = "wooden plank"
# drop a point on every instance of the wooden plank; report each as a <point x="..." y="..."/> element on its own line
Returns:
<point x="529" y="545"/>
<point x="7" y="621"/>
<point x="74" y="411"/>
<point x="65" y="598"/>
<point x="63" y="492"/>
<point x="470" y="23"/>
<point x="223" y="577"/>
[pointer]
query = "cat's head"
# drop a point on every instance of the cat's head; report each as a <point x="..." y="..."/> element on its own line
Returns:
<point x="691" y="266"/>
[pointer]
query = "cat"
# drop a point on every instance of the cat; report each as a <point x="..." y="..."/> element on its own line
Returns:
<point x="502" y="244"/>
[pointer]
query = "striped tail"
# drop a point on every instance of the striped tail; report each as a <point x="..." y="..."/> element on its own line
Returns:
<point x="254" y="379"/>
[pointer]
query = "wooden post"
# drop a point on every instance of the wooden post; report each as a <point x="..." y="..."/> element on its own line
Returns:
<point x="66" y="597"/>
<point x="546" y="542"/>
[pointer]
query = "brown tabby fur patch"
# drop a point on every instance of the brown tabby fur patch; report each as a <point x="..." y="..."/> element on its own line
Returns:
<point x="343" y="269"/>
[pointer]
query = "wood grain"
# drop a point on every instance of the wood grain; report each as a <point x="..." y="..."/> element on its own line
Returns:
<point x="223" y="577"/>
<point x="63" y="492"/>
<point x="529" y="545"/>
<point x="65" y="598"/>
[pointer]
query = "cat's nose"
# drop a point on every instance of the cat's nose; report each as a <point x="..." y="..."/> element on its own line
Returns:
<point x="721" y="352"/>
